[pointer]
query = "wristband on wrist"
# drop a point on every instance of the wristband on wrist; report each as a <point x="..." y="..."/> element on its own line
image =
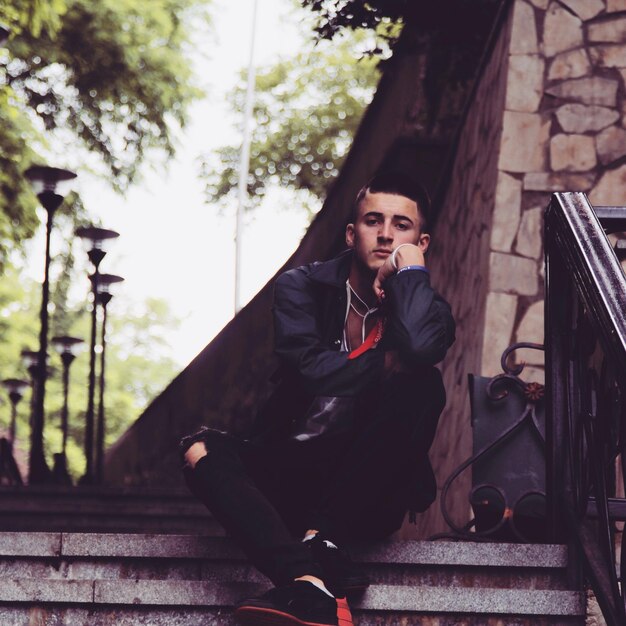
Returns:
<point x="393" y="255"/>
<point x="421" y="268"/>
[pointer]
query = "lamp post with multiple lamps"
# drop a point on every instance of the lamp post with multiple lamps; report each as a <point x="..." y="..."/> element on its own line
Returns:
<point x="67" y="347"/>
<point x="96" y="238"/>
<point x="103" y="297"/>
<point x="45" y="181"/>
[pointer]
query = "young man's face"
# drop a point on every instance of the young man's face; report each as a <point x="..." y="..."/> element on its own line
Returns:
<point x="383" y="222"/>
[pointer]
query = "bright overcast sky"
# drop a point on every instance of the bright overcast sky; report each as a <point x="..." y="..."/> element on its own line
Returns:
<point x="174" y="246"/>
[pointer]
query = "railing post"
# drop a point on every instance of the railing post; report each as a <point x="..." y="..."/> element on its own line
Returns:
<point x="557" y="337"/>
<point x="556" y="298"/>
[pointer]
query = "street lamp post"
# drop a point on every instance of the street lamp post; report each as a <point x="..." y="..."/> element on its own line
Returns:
<point x="67" y="347"/>
<point x="9" y="471"/>
<point x="31" y="363"/>
<point x="97" y="238"/>
<point x="45" y="180"/>
<point x="103" y="297"/>
<point x="15" y="388"/>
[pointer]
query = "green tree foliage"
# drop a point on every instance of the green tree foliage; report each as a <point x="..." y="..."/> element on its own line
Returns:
<point x="32" y="15"/>
<point x="18" y="220"/>
<point x="306" y="112"/>
<point x="136" y="368"/>
<point x="335" y="16"/>
<point x="114" y="73"/>
<point x="380" y="17"/>
<point x="451" y="34"/>
<point x="19" y="303"/>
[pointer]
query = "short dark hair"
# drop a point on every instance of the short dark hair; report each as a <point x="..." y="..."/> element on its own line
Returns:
<point x="398" y="184"/>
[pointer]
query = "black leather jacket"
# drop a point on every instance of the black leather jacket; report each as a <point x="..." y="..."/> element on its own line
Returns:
<point x="309" y="313"/>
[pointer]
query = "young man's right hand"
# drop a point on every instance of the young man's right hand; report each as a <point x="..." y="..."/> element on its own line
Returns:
<point x="407" y="254"/>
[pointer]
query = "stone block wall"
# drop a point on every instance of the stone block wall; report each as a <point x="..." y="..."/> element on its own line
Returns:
<point x="563" y="130"/>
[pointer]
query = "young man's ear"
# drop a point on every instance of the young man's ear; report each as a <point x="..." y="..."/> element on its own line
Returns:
<point x="350" y="235"/>
<point x="423" y="242"/>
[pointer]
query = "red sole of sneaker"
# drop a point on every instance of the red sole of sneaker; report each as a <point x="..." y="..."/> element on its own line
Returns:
<point x="253" y="616"/>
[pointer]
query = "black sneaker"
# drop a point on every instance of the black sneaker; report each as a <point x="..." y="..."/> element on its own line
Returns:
<point x="340" y="574"/>
<point x="299" y="604"/>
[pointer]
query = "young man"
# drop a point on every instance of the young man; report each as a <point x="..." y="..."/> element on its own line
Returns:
<point x="340" y="448"/>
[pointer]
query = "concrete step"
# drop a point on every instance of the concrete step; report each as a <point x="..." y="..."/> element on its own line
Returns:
<point x="130" y="495"/>
<point x="399" y="601"/>
<point x="82" y="509"/>
<point x="112" y="523"/>
<point x="185" y="557"/>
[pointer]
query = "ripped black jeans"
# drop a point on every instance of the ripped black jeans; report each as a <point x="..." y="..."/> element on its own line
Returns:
<point x="352" y="485"/>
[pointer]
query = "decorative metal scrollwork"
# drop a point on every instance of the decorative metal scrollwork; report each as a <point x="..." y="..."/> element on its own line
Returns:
<point x="496" y="516"/>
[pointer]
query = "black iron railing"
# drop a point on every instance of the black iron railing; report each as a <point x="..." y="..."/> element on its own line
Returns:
<point x="585" y="342"/>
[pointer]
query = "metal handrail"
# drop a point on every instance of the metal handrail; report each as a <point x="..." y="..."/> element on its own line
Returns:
<point x="585" y="338"/>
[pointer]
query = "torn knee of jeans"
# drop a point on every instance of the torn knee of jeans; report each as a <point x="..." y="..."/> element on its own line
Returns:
<point x="194" y="453"/>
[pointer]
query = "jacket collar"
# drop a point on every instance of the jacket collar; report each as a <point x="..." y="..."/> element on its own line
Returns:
<point x="334" y="272"/>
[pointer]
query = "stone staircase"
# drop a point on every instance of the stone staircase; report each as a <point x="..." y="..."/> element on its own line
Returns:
<point x="70" y="579"/>
<point x="104" y="510"/>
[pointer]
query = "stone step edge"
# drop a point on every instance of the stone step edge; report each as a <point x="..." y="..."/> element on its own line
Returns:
<point x="107" y="511"/>
<point x="413" y="599"/>
<point x="87" y="491"/>
<point x="407" y="552"/>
